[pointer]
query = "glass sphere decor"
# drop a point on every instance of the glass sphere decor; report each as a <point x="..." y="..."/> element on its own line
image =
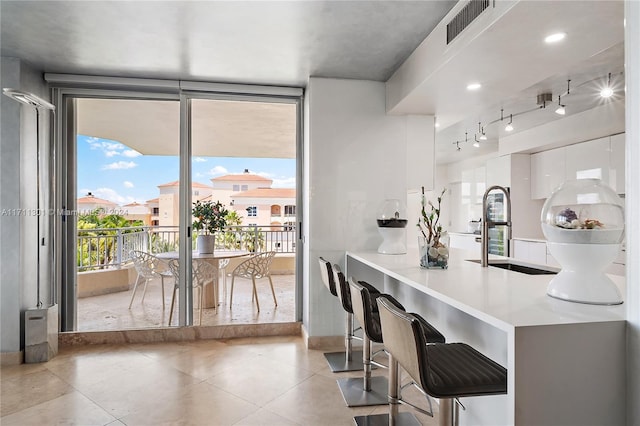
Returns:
<point x="391" y="219"/>
<point x="583" y="222"/>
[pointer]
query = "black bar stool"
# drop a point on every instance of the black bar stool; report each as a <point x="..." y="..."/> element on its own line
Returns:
<point x="443" y="370"/>
<point x="371" y="390"/>
<point x="347" y="360"/>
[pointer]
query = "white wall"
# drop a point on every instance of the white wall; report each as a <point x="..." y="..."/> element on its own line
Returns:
<point x="632" y="61"/>
<point x="18" y="290"/>
<point x="10" y="296"/>
<point x="355" y="158"/>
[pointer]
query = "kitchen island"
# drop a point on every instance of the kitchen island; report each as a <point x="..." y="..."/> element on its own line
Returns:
<point x="565" y="361"/>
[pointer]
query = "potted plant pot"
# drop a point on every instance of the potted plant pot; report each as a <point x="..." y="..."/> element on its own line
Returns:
<point x="205" y="244"/>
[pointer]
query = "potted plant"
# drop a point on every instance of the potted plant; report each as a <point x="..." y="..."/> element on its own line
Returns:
<point x="433" y="243"/>
<point x="209" y="218"/>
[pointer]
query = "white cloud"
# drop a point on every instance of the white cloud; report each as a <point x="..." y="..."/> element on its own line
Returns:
<point x="264" y="174"/>
<point x="119" y="165"/>
<point x="112" y="195"/>
<point x="111" y="149"/>
<point x="199" y="160"/>
<point x="130" y="153"/>
<point x="218" y="170"/>
<point x="128" y="184"/>
<point x="284" y="182"/>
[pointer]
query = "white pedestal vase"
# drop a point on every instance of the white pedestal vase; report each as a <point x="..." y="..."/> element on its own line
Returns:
<point x="582" y="278"/>
<point x="205" y="244"/>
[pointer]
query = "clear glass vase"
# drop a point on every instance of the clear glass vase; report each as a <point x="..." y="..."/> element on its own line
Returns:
<point x="434" y="256"/>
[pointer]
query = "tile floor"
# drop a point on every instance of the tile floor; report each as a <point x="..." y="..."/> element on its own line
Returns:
<point x="254" y="381"/>
<point x="111" y="311"/>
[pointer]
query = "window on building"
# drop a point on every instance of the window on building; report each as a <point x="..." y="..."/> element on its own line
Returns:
<point x="155" y="222"/>
<point x="289" y="210"/>
<point x="252" y="211"/>
<point x="245" y="187"/>
<point x="196" y="192"/>
<point x="236" y="188"/>
<point x="156" y="211"/>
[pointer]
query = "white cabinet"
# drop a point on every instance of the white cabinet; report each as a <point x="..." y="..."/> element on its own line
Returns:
<point x="530" y="251"/>
<point x="547" y="172"/>
<point x="588" y="160"/>
<point x="466" y="242"/>
<point x="599" y="158"/>
<point x="616" y="163"/>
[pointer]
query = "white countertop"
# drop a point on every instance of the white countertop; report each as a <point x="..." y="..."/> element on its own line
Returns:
<point x="503" y="298"/>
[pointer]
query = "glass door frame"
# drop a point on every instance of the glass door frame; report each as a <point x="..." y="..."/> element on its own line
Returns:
<point x="65" y="89"/>
<point x="230" y="92"/>
<point x="64" y="193"/>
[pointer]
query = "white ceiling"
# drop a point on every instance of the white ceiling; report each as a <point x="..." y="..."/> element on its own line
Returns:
<point x="283" y="43"/>
<point x="219" y="128"/>
<point x="260" y="42"/>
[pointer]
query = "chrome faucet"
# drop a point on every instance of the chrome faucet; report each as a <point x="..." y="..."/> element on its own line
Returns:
<point x="486" y="223"/>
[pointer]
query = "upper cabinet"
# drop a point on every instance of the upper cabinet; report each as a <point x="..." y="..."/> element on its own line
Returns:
<point x="616" y="163"/>
<point x="547" y="172"/>
<point x="588" y="160"/>
<point x="599" y="158"/>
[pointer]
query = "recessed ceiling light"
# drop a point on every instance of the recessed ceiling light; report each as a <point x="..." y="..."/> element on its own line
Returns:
<point x="554" y="38"/>
<point x="473" y="86"/>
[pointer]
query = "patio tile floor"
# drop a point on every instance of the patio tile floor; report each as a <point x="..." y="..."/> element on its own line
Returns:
<point x="111" y="312"/>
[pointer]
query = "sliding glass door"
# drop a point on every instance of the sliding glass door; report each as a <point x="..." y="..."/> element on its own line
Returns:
<point x="131" y="164"/>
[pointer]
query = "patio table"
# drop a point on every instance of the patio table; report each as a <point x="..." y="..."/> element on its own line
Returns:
<point x="213" y="258"/>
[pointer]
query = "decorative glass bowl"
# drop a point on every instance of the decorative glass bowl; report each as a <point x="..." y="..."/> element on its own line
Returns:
<point x="391" y="219"/>
<point x="583" y="222"/>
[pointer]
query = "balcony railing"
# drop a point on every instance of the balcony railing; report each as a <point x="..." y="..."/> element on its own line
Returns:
<point x="109" y="248"/>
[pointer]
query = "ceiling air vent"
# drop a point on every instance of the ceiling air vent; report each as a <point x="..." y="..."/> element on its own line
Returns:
<point x="462" y="20"/>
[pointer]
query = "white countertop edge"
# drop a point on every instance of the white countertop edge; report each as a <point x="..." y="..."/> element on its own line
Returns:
<point x="546" y="310"/>
<point x="440" y="296"/>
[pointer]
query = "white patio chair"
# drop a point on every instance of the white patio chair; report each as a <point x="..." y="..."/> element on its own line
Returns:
<point x="203" y="273"/>
<point x="148" y="268"/>
<point x="256" y="267"/>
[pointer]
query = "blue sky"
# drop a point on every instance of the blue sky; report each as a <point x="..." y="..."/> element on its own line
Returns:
<point x="113" y="171"/>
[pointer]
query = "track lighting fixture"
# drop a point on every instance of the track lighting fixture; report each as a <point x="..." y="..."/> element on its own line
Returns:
<point x="476" y="143"/>
<point x="607" y="92"/>
<point x="509" y="127"/>
<point x="560" y="110"/>
<point x="483" y="137"/>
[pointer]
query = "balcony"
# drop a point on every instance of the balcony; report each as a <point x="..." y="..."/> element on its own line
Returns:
<point x="106" y="276"/>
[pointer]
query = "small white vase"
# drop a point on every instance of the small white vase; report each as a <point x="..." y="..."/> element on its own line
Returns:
<point x="205" y="243"/>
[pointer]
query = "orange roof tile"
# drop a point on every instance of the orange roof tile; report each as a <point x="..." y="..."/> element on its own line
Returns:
<point x="177" y="183"/>
<point x="94" y="200"/>
<point x="155" y="200"/>
<point x="267" y="193"/>
<point x="244" y="177"/>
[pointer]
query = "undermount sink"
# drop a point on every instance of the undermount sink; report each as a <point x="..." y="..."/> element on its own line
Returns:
<point x="517" y="268"/>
